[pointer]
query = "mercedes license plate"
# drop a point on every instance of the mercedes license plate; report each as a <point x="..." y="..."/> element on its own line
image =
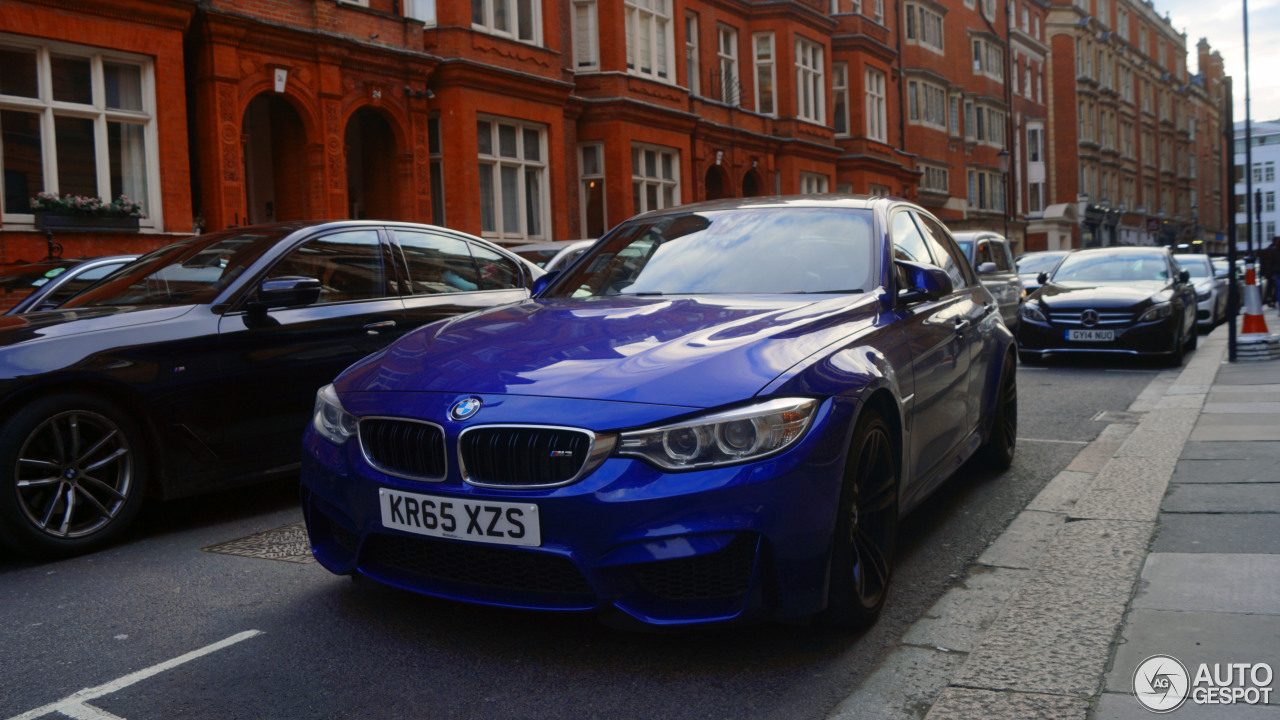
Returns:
<point x="501" y="523"/>
<point x="1091" y="335"/>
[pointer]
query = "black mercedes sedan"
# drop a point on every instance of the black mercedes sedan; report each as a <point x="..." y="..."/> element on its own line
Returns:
<point x="196" y="367"/>
<point x="1132" y="300"/>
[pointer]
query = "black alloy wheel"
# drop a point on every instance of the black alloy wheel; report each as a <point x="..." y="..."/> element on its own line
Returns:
<point x="866" y="528"/>
<point x="74" y="470"/>
<point x="999" y="449"/>
<point x="1179" y="349"/>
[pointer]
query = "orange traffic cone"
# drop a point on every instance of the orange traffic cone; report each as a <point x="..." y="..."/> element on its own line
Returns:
<point x="1253" y="322"/>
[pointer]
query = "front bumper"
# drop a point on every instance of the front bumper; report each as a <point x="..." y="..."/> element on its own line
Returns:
<point x="661" y="548"/>
<point x="1151" y="338"/>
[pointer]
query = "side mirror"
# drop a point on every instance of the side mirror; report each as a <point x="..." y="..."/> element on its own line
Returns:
<point x="1042" y="278"/>
<point x="987" y="268"/>
<point x="1184" y="276"/>
<point x="924" y="282"/>
<point x="543" y="281"/>
<point x="286" y="292"/>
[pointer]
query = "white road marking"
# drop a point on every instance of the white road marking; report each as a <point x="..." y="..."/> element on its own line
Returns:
<point x="1064" y="442"/>
<point x="74" y="705"/>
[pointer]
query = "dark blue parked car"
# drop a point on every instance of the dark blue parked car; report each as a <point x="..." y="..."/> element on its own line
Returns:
<point x="720" y="411"/>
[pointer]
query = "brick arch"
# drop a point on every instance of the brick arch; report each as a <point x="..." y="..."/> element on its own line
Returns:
<point x="374" y="145"/>
<point x="753" y="184"/>
<point x="307" y="107"/>
<point x="716" y="183"/>
<point x="278" y="150"/>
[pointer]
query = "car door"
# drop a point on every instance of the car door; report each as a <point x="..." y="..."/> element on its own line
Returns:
<point x="273" y="361"/>
<point x="442" y="275"/>
<point x="973" y="306"/>
<point x="1002" y="281"/>
<point x="939" y="358"/>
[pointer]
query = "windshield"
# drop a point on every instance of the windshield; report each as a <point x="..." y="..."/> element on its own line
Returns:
<point x="967" y="247"/>
<point x="1112" y="267"/>
<point x="758" y="250"/>
<point x="1037" y="262"/>
<point x="190" y="272"/>
<point x="1196" y="265"/>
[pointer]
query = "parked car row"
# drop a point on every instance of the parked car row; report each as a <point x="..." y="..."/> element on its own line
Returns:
<point x="716" y="412"/>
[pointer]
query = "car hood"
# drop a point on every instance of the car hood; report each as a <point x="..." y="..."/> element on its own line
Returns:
<point x="686" y="351"/>
<point x="1075" y="294"/>
<point x="29" y="327"/>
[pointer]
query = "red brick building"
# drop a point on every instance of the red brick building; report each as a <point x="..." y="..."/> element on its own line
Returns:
<point x="548" y="119"/>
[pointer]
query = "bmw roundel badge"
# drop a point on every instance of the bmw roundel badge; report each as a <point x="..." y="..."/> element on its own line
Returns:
<point x="465" y="408"/>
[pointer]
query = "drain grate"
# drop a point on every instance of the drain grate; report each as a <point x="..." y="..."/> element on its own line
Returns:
<point x="288" y="543"/>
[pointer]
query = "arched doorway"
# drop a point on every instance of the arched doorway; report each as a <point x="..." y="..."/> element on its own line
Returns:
<point x="371" y="150"/>
<point x="275" y="164"/>
<point x="715" y="183"/>
<point x="751" y="184"/>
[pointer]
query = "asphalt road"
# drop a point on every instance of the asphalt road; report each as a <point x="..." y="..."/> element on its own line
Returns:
<point x="331" y="648"/>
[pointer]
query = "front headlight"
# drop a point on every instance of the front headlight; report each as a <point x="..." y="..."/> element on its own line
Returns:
<point x="724" y="438"/>
<point x="330" y="420"/>
<point x="1157" y="312"/>
<point x="1031" y="311"/>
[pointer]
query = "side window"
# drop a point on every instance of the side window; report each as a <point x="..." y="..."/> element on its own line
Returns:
<point x="1001" y="256"/>
<point x="437" y="263"/>
<point x="982" y="255"/>
<point x="945" y="249"/>
<point x="76" y="284"/>
<point x="497" y="272"/>
<point x="908" y="243"/>
<point x="349" y="266"/>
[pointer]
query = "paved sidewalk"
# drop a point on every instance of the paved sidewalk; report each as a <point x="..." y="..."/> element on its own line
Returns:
<point x="1057" y="614"/>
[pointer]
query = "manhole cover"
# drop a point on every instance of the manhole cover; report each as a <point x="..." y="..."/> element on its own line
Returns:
<point x="1116" y="416"/>
<point x="288" y="543"/>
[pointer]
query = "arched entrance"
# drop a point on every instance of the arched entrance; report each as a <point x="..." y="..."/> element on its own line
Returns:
<point x="275" y="164"/>
<point x="715" y="183"/>
<point x="751" y="184"/>
<point x="371" y="151"/>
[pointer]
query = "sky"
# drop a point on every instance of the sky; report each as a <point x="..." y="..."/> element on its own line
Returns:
<point x="1223" y="24"/>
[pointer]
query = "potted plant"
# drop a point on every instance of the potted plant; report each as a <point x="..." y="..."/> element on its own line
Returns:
<point x="81" y="212"/>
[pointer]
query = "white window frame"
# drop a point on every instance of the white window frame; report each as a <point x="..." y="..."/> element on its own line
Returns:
<point x="876" y="116"/>
<point x="988" y="58"/>
<point x="584" y="178"/>
<point x="840" y="98"/>
<point x="653" y="17"/>
<point x="692" y="59"/>
<point x="987" y="190"/>
<point x="48" y="109"/>
<point x="1035" y="144"/>
<point x="811" y="90"/>
<point x="641" y="181"/>
<point x="934" y="178"/>
<point x="1122" y="23"/>
<point x="926" y="104"/>
<point x="925" y="28"/>
<point x="424" y="10"/>
<point x="586" y="25"/>
<point x="766" y="64"/>
<point x="486" y="23"/>
<point x="812" y="183"/>
<point x="727" y="64"/>
<point x="498" y="161"/>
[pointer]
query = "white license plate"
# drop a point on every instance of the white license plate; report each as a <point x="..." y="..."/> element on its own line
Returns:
<point x="1091" y="335"/>
<point x="501" y="523"/>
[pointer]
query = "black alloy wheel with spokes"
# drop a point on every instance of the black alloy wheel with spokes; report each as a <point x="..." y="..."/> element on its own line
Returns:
<point x="74" y="469"/>
<point x="866" y="527"/>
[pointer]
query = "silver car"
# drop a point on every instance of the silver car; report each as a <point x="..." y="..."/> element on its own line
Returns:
<point x="1211" y="289"/>
<point x="992" y="258"/>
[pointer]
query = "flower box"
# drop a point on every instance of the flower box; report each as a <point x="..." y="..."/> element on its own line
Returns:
<point x="85" y="223"/>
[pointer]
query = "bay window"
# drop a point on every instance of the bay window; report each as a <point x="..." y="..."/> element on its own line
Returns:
<point x="513" y="179"/>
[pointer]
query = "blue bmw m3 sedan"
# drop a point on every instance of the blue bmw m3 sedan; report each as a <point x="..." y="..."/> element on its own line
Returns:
<point x="718" y="412"/>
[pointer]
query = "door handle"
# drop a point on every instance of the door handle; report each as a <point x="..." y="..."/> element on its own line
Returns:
<point x="961" y="326"/>
<point x="375" y="327"/>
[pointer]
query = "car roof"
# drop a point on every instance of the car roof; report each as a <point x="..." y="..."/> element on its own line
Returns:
<point x="852" y="202"/>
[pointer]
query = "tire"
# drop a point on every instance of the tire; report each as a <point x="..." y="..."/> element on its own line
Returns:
<point x="866" y="528"/>
<point x="50" y="504"/>
<point x="1195" y="339"/>
<point x="1179" y="349"/>
<point x="997" y="452"/>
